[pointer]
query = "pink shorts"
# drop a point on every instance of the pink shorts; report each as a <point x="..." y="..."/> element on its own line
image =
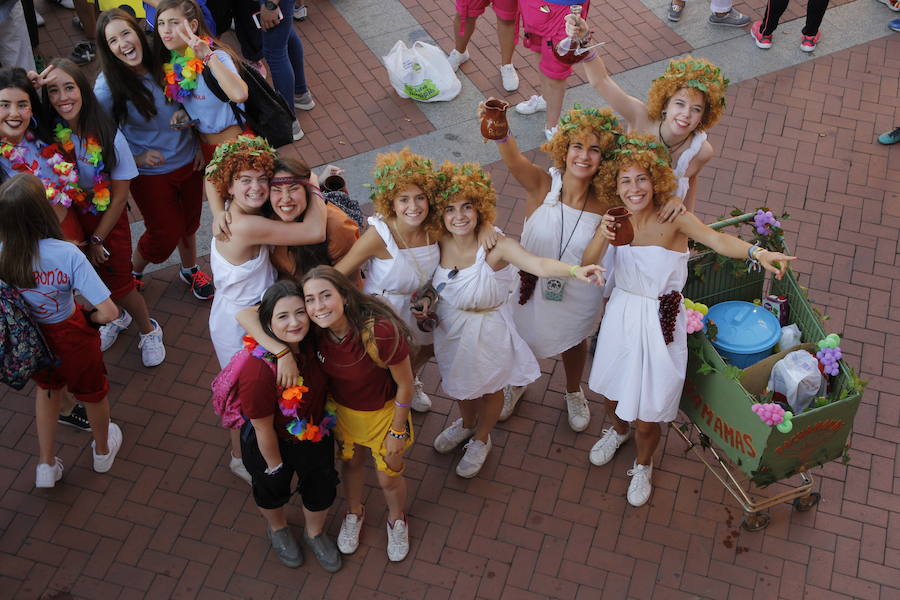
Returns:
<point x="545" y="26"/>
<point x="470" y="9"/>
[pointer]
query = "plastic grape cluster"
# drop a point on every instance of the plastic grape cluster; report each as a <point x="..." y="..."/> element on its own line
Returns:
<point x="695" y="313"/>
<point x="770" y="413"/>
<point x="669" y="306"/>
<point x="764" y="221"/>
<point x="526" y="286"/>
<point x="829" y="353"/>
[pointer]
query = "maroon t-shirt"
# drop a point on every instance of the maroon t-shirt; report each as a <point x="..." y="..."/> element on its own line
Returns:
<point x="259" y="393"/>
<point x="354" y="379"/>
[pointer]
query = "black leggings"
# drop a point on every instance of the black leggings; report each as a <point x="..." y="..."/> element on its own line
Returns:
<point x="815" y="12"/>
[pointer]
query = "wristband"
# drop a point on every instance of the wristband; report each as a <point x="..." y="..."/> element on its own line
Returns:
<point x="503" y="140"/>
<point x="401" y="405"/>
<point x="590" y="56"/>
<point x="283" y="352"/>
<point x="573" y="271"/>
<point x="205" y="60"/>
<point x="400" y="435"/>
<point x="96" y="240"/>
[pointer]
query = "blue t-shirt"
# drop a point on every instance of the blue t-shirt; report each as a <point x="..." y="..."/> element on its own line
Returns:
<point x="213" y="114"/>
<point x="178" y="146"/>
<point x="124" y="170"/>
<point x="60" y="269"/>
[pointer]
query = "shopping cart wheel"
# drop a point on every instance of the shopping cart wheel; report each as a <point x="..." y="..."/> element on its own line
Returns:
<point x="755" y="521"/>
<point x="804" y="503"/>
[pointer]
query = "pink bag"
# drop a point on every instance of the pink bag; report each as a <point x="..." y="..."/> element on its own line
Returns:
<point x="224" y="387"/>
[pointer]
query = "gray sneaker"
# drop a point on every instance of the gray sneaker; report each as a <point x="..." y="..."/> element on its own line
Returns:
<point x="326" y="552"/>
<point x="674" y="13"/>
<point x="286" y="547"/>
<point x="732" y="19"/>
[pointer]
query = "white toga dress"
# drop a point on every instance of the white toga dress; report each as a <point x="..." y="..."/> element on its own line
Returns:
<point x="476" y="345"/>
<point x="395" y="279"/>
<point x="549" y="326"/>
<point x="237" y="287"/>
<point x="684" y="160"/>
<point x="633" y="365"/>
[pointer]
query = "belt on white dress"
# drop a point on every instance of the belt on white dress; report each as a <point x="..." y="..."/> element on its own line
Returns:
<point x="481" y="310"/>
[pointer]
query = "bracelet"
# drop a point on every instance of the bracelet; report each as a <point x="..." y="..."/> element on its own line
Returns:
<point x="274" y="469"/>
<point x="752" y="262"/>
<point x="503" y="140"/>
<point x="573" y="271"/>
<point x="400" y="435"/>
<point x="96" y="240"/>
<point x="401" y="405"/>
<point x="205" y="60"/>
<point x="591" y="56"/>
<point x="283" y="352"/>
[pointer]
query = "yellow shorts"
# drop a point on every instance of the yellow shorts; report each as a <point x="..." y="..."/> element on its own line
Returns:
<point x="367" y="428"/>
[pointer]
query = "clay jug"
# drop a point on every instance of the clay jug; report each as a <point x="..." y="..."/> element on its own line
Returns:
<point x="493" y="123"/>
<point x="622" y="225"/>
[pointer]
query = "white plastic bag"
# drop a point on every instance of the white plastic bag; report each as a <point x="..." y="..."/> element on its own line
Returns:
<point x="790" y="337"/>
<point x="422" y="72"/>
<point x="797" y="377"/>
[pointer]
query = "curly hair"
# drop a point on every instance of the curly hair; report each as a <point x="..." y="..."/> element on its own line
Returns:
<point x="689" y="73"/>
<point x="642" y="150"/>
<point x="394" y="172"/>
<point x="246" y="153"/>
<point x="575" y="125"/>
<point x="466" y="181"/>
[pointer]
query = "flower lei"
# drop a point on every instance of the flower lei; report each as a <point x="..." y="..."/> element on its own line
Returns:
<point x="65" y="189"/>
<point x="94" y="152"/>
<point x="291" y="400"/>
<point x="182" y="72"/>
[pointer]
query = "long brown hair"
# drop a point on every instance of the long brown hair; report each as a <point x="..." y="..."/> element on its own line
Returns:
<point x="25" y="219"/>
<point x="359" y="307"/>
<point x="122" y="80"/>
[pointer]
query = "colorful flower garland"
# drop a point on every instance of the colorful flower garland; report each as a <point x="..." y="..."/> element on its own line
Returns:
<point x="94" y="157"/>
<point x="65" y="190"/>
<point x="291" y="400"/>
<point x="182" y="72"/>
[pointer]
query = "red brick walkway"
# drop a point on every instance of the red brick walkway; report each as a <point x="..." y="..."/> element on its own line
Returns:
<point x="170" y="521"/>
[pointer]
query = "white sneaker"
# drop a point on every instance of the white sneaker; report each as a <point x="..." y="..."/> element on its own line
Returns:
<point x="348" y="538"/>
<point x="64" y="3"/>
<point x="549" y="133"/>
<point x="153" y="352"/>
<point x="511" y="396"/>
<point x="39" y="20"/>
<point x="510" y="77"/>
<point x="452" y="437"/>
<point x="46" y="476"/>
<point x="531" y="106"/>
<point x="639" y="489"/>
<point x="397" y="540"/>
<point x="579" y="412"/>
<point x="237" y="467"/>
<point x="420" y="400"/>
<point x="104" y="462"/>
<point x="457" y="59"/>
<point x="110" y="332"/>
<point x="606" y="447"/>
<point x="296" y="132"/>
<point x="473" y="459"/>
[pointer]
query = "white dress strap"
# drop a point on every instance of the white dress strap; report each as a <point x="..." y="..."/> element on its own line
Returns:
<point x="552" y="197"/>
<point x="684" y="160"/>
<point x="385" y="232"/>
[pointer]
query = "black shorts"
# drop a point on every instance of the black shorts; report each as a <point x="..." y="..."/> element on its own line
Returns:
<point x="313" y="462"/>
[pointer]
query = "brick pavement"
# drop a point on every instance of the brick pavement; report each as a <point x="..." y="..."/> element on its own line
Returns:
<point x="170" y="521"/>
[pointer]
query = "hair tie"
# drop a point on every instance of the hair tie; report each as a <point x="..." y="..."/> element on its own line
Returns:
<point x="283" y="180"/>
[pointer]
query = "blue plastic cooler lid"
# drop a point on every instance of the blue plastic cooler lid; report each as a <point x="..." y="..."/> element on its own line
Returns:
<point x="744" y="328"/>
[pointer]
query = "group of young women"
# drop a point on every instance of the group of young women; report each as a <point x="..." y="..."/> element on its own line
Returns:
<point x="321" y="355"/>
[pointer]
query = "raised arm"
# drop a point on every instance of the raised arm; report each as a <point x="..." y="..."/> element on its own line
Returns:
<point x="510" y="251"/>
<point x="254" y="229"/>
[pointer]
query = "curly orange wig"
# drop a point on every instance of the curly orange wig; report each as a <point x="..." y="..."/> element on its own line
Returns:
<point x="394" y="172"/>
<point x="466" y="181"/>
<point x="246" y="153"/>
<point x="642" y="150"/>
<point x="689" y="73"/>
<point x="575" y="125"/>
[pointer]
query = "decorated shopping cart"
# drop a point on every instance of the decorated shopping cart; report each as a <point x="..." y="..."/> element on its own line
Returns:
<point x="724" y="432"/>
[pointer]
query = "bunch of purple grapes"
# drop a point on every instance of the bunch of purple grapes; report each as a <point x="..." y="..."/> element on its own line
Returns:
<point x="669" y="306"/>
<point x="764" y="222"/>
<point x="829" y="358"/>
<point x="526" y="286"/>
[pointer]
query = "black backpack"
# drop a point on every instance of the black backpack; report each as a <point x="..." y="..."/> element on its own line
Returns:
<point x="23" y="350"/>
<point x="265" y="111"/>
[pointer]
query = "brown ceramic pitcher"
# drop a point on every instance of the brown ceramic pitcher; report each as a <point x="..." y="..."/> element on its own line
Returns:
<point x="493" y="122"/>
<point x="622" y="225"/>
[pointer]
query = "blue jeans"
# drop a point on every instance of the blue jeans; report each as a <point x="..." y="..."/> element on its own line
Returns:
<point x="283" y="52"/>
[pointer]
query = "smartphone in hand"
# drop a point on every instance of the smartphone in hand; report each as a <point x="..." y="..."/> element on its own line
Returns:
<point x="256" y="18"/>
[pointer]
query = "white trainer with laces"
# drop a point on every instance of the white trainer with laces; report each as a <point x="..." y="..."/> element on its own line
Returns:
<point x="456" y="58"/>
<point x="639" y="489"/>
<point x="578" y="409"/>
<point x="531" y="106"/>
<point x="153" y="352"/>
<point x="472" y="461"/>
<point x="348" y="538"/>
<point x="236" y="465"/>
<point x="110" y="331"/>
<point x="509" y="77"/>
<point x="397" y="540"/>
<point x="46" y="476"/>
<point x="511" y="396"/>
<point x="104" y="462"/>
<point x="420" y="400"/>
<point x="452" y="437"/>
<point x="606" y="447"/>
